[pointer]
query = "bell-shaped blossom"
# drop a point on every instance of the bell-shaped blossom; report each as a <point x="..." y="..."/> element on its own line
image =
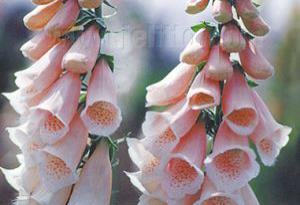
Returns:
<point x="212" y="196"/>
<point x="41" y="15"/>
<point x="232" y="163"/>
<point x="269" y="136"/>
<point x="248" y="195"/>
<point x="204" y="92"/>
<point x="41" y="2"/>
<point x="50" y="119"/>
<point x="195" y="6"/>
<point x="95" y="182"/>
<point x="90" y="4"/>
<point x="102" y="115"/>
<point x="254" y="63"/>
<point x="83" y="54"/>
<point x="64" y="19"/>
<point x="231" y="39"/>
<point x="198" y="48"/>
<point x="43" y="72"/>
<point x="238" y="105"/>
<point x="182" y="173"/>
<point x="36" y="47"/>
<point x="246" y="9"/>
<point x="222" y="11"/>
<point x="168" y="90"/>
<point x="218" y="66"/>
<point x="58" y="162"/>
<point x="256" y="26"/>
<point x="163" y="130"/>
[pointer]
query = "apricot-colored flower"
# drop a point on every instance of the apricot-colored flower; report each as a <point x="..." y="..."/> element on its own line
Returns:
<point x="256" y="26"/>
<point x="102" y="115"/>
<point x="231" y="39"/>
<point x="222" y="11"/>
<point x="246" y="9"/>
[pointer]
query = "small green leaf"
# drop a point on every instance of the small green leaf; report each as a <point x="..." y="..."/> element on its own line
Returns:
<point x="109" y="59"/>
<point x="82" y="98"/>
<point x="256" y="4"/>
<point x="204" y="24"/>
<point x="201" y="66"/>
<point x="252" y="83"/>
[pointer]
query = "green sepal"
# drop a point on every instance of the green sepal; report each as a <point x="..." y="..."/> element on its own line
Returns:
<point x="252" y="83"/>
<point x="109" y="59"/>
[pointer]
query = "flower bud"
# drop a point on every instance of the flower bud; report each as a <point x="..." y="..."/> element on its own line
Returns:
<point x="198" y="48"/>
<point x="82" y="56"/>
<point x="254" y="63"/>
<point x="222" y="11"/>
<point x="36" y="47"/>
<point x="218" y="66"/>
<point x="41" y="2"/>
<point x="246" y="9"/>
<point x="65" y="18"/>
<point x="231" y="39"/>
<point x="256" y="26"/>
<point x="90" y="4"/>
<point x="196" y="6"/>
<point x="41" y="15"/>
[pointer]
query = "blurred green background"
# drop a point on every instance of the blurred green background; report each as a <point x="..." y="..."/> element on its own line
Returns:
<point x="154" y="34"/>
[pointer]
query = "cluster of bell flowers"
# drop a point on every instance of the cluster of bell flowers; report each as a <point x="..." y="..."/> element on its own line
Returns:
<point x="176" y="164"/>
<point x="54" y="126"/>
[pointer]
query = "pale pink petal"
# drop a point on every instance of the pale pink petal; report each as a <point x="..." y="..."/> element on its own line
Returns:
<point x="168" y="90"/>
<point x="256" y="26"/>
<point x="204" y="92"/>
<point x="232" y="163"/>
<point x="238" y="105"/>
<point x="248" y="196"/>
<point x="57" y="198"/>
<point x="197" y="49"/>
<point x="222" y="11"/>
<point x="64" y="19"/>
<point x="102" y="115"/>
<point x="148" y="200"/>
<point x="36" y="47"/>
<point x="83" y="54"/>
<point x="95" y="182"/>
<point x="231" y="39"/>
<point x="246" y="9"/>
<point x="196" y="6"/>
<point x="269" y="136"/>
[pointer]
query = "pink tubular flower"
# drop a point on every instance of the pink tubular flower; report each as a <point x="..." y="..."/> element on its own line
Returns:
<point x="95" y="182"/>
<point x="182" y="173"/>
<point x="248" y="195"/>
<point x="222" y="11"/>
<point x="83" y="54"/>
<point x="246" y="9"/>
<point x="164" y="130"/>
<point x="41" y="2"/>
<point x="90" y="4"/>
<point x="232" y="163"/>
<point x="36" y="47"/>
<point x="56" y="109"/>
<point x="212" y="196"/>
<point x="218" y="66"/>
<point x="238" y="105"/>
<point x="204" y="92"/>
<point x="198" y="48"/>
<point x="43" y="72"/>
<point x="231" y="39"/>
<point x="269" y="136"/>
<point x="254" y="63"/>
<point x="102" y="115"/>
<point x="41" y="15"/>
<point x="64" y="19"/>
<point x="168" y="90"/>
<point x="196" y="6"/>
<point x="256" y="26"/>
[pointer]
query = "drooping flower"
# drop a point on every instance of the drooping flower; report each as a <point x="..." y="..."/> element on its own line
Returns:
<point x="64" y="19"/>
<point x="168" y="90"/>
<point x="198" y="48"/>
<point x="102" y="115"/>
<point x="232" y="163"/>
<point x="231" y="39"/>
<point x="254" y="63"/>
<point x="269" y="136"/>
<point x="83" y="54"/>
<point x="246" y="9"/>
<point x="164" y="130"/>
<point x="41" y="15"/>
<point x="222" y="11"/>
<point x="36" y="47"/>
<point x="218" y="66"/>
<point x="90" y="4"/>
<point x="196" y="6"/>
<point x="204" y="92"/>
<point x="238" y="105"/>
<point x="95" y="182"/>
<point x="256" y="26"/>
